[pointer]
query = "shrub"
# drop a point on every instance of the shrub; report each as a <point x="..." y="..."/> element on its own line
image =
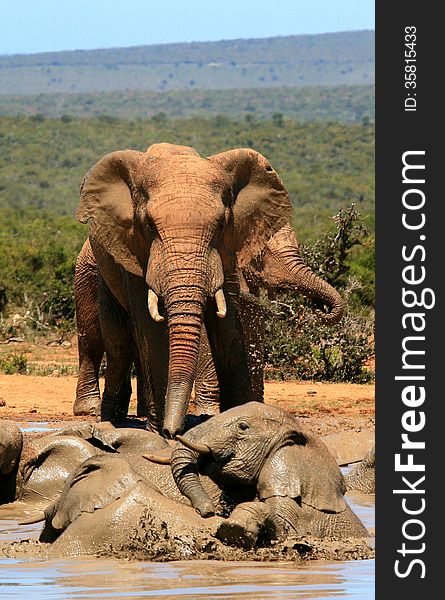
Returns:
<point x="297" y="345"/>
<point x="14" y="363"/>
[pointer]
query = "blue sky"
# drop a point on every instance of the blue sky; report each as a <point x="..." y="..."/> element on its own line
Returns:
<point x="28" y="26"/>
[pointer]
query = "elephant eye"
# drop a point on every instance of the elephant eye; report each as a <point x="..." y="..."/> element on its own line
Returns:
<point x="243" y="425"/>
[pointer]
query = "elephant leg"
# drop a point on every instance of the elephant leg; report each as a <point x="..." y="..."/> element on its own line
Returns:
<point x="207" y="395"/>
<point x="119" y="347"/>
<point x="143" y="396"/>
<point x="151" y="344"/>
<point x="290" y="519"/>
<point x="90" y="343"/>
<point x="229" y="352"/>
<point x="206" y="382"/>
<point x="245" y="524"/>
<point x="252" y="315"/>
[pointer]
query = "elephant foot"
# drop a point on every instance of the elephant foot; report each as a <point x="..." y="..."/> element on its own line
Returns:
<point x="90" y="406"/>
<point x="114" y="410"/>
<point x="244" y="525"/>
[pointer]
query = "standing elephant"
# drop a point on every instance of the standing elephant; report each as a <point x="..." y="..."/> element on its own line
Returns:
<point x="173" y="230"/>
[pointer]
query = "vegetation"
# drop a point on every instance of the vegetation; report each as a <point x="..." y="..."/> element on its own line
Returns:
<point x="298" y="346"/>
<point x="345" y="58"/>
<point x="324" y="166"/>
<point x="350" y="104"/>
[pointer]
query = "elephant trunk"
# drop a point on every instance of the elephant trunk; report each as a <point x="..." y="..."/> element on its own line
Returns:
<point x="185" y="471"/>
<point x="312" y="286"/>
<point x="285" y="267"/>
<point x="184" y="308"/>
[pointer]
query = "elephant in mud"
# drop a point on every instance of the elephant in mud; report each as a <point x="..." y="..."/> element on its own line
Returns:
<point x="39" y="468"/>
<point x="34" y="471"/>
<point x="105" y="503"/>
<point x="253" y="465"/>
<point x="172" y="230"/>
<point x="362" y="477"/>
<point x="265" y="449"/>
<point x="11" y="444"/>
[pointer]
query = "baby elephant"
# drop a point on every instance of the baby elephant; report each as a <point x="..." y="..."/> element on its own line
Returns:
<point x="266" y="449"/>
<point x="280" y="480"/>
<point x="362" y="477"/>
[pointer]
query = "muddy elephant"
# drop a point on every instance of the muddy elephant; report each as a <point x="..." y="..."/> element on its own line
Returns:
<point x="272" y="480"/>
<point x="362" y="476"/>
<point x="105" y="503"/>
<point x="11" y="444"/>
<point x="172" y="230"/>
<point x="264" y="448"/>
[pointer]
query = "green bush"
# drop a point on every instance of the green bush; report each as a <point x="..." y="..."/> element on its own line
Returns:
<point x="297" y="344"/>
<point x="13" y="363"/>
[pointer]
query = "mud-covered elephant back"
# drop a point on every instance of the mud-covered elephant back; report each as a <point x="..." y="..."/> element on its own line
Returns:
<point x="90" y="487"/>
<point x="306" y="471"/>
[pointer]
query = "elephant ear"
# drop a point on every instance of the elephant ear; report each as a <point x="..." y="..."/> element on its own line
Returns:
<point x="261" y="202"/>
<point x="96" y="483"/>
<point x="307" y="472"/>
<point x="106" y="203"/>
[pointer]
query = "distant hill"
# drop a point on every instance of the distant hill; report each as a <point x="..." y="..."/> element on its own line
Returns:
<point x="330" y="59"/>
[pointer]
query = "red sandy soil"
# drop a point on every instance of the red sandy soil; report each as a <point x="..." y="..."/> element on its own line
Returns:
<point x="328" y="407"/>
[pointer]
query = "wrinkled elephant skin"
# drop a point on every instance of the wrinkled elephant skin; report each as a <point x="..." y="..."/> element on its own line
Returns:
<point x="170" y="233"/>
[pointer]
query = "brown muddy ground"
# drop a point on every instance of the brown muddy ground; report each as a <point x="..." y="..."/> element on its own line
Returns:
<point x="326" y="407"/>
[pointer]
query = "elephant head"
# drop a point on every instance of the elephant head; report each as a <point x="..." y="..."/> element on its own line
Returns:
<point x="232" y="448"/>
<point x="265" y="448"/>
<point x="45" y="464"/>
<point x="186" y="225"/>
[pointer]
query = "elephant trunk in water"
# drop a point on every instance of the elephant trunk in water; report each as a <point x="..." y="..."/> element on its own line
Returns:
<point x="283" y="250"/>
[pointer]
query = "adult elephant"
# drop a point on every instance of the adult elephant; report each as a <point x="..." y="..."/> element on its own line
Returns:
<point x="172" y="229"/>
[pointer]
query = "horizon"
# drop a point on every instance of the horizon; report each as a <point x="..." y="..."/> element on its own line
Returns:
<point x="31" y="27"/>
<point x="7" y="55"/>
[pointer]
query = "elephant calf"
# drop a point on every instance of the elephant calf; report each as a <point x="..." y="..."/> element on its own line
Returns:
<point x="245" y="477"/>
<point x="362" y="477"/>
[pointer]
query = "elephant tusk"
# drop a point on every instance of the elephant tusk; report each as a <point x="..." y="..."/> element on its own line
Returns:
<point x="200" y="448"/>
<point x="36" y="519"/>
<point x="158" y="459"/>
<point x="221" y="304"/>
<point x="153" y="306"/>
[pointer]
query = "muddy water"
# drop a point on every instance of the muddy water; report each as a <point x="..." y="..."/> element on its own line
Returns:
<point x="91" y="578"/>
<point x="112" y="579"/>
